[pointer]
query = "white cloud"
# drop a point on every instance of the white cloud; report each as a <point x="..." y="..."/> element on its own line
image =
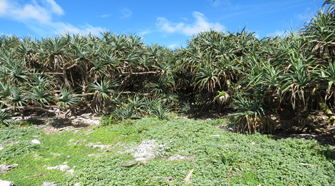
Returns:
<point x="217" y="3"/>
<point x="173" y="46"/>
<point x="257" y="36"/>
<point x="126" y="12"/>
<point x="106" y="15"/>
<point x="308" y="14"/>
<point x="3" y="6"/>
<point x="30" y="12"/>
<point x="38" y="17"/>
<point x="184" y="18"/>
<point x="85" y="29"/>
<point x="55" y="8"/>
<point x="277" y="33"/>
<point x="201" y="24"/>
<point x="145" y="32"/>
<point x="304" y="16"/>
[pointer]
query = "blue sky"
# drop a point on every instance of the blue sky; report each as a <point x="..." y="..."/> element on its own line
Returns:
<point x="166" y="22"/>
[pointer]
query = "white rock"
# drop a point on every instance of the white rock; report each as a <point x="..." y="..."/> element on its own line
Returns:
<point x="60" y="167"/>
<point x="77" y="184"/>
<point x="53" y="168"/>
<point x="6" y="183"/>
<point x="87" y="115"/>
<point x="145" y="151"/>
<point x="55" y="154"/>
<point x="101" y="146"/>
<point x="70" y="172"/>
<point x="180" y="157"/>
<point x="176" y="157"/>
<point x="63" y="167"/>
<point x="49" y="184"/>
<point x="2" y="147"/>
<point x="35" y="141"/>
<point x="5" y="168"/>
<point x="89" y="144"/>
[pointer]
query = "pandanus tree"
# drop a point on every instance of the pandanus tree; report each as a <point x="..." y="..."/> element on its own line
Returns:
<point x="321" y="41"/>
<point x="232" y="70"/>
<point x="103" y="94"/>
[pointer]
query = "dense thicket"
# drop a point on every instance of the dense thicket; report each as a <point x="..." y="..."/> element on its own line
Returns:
<point x="223" y="72"/>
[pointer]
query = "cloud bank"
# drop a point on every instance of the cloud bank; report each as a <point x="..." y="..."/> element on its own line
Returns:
<point x="200" y="24"/>
<point x="38" y="17"/>
<point x="126" y="12"/>
<point x="280" y="33"/>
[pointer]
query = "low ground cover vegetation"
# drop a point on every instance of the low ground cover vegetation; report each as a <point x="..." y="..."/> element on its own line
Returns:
<point x="185" y="152"/>
<point x="265" y="86"/>
<point x="262" y="83"/>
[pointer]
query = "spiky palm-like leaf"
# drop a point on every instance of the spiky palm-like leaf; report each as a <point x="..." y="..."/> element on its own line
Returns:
<point x="103" y="89"/>
<point x="298" y="77"/>
<point x="3" y="117"/>
<point x="67" y="99"/>
<point x="207" y="78"/>
<point x="5" y="90"/>
<point x="17" y="98"/>
<point x="38" y="80"/>
<point x="160" y="111"/>
<point x="39" y="95"/>
<point x="123" y="113"/>
<point x="136" y="104"/>
<point x="14" y="71"/>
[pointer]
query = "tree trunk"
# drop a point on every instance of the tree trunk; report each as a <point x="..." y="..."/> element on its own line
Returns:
<point x="326" y="110"/>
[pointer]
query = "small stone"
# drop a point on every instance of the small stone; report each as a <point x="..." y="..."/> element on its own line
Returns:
<point x="49" y="184"/>
<point x="100" y="146"/>
<point x="180" y="157"/>
<point x="77" y="184"/>
<point x="55" y="154"/>
<point x="6" y="183"/>
<point x="35" y="141"/>
<point x="5" y="168"/>
<point x="63" y="167"/>
<point x="53" y="168"/>
<point x="60" y="167"/>
<point x="70" y="172"/>
<point x="88" y="115"/>
<point x="89" y="144"/>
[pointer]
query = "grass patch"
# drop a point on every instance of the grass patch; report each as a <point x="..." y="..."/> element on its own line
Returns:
<point x="220" y="158"/>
